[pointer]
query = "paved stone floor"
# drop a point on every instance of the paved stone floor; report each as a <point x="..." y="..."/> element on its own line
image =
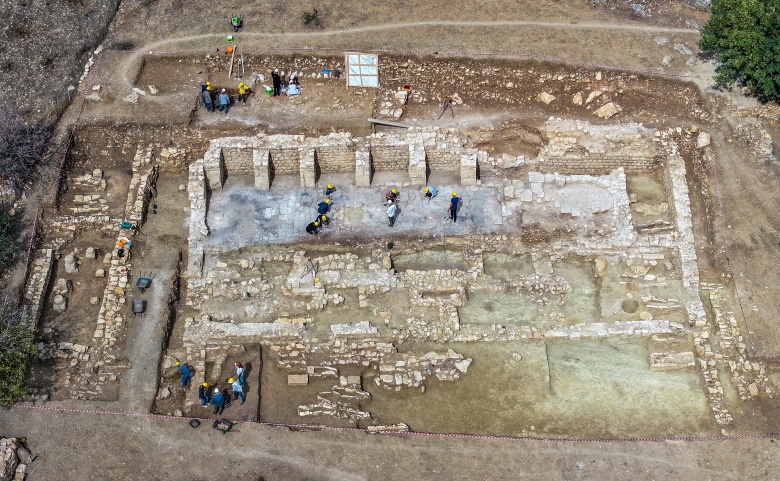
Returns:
<point x="241" y="215"/>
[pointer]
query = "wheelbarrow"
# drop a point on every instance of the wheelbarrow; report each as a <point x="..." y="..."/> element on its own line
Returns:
<point x="138" y="306"/>
<point x="144" y="282"/>
<point x="223" y="425"/>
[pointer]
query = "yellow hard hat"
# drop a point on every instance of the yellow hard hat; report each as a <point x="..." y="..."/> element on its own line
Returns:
<point x="324" y="218"/>
<point x="208" y="87"/>
<point x="177" y="363"/>
<point x="394" y="191"/>
<point x="208" y="83"/>
<point x="231" y="380"/>
<point x="454" y="194"/>
<point x="316" y="224"/>
<point x="327" y="201"/>
<point x="205" y="384"/>
<point x="427" y="190"/>
<point x="330" y="186"/>
<point x="241" y="84"/>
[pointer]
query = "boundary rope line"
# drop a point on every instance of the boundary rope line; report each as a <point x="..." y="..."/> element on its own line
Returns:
<point x="722" y="437"/>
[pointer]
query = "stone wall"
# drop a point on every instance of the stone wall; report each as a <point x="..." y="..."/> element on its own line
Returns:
<point x="336" y="158"/>
<point x="390" y="158"/>
<point x="577" y="147"/>
<point x="599" y="164"/>
<point x="40" y="273"/>
<point x="415" y="151"/>
<point x="238" y="161"/>
<point x="285" y="161"/>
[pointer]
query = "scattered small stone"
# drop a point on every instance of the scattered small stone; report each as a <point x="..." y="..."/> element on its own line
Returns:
<point x="546" y="98"/>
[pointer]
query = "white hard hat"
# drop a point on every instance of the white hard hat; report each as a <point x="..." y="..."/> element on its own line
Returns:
<point x="216" y="390"/>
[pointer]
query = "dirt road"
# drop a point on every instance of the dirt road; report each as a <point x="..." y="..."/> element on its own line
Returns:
<point x="158" y="448"/>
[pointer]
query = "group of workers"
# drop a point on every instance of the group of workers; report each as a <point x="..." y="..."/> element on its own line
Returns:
<point x="284" y="87"/>
<point x="391" y="199"/>
<point x="220" y="399"/>
<point x="210" y="99"/>
<point x="221" y="101"/>
<point x="323" y="208"/>
<point x="428" y="193"/>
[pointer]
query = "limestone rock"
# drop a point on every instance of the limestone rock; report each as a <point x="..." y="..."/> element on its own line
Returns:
<point x="60" y="303"/>
<point x="683" y="49"/>
<point x="90" y="253"/>
<point x="164" y="392"/>
<point x="70" y="264"/>
<point x="703" y="140"/>
<point x="546" y="98"/>
<point x="463" y="365"/>
<point x="153" y="90"/>
<point x="100" y="273"/>
<point x="577" y="99"/>
<point x="593" y="95"/>
<point x="297" y="379"/>
<point x="601" y="266"/>
<point x="667" y="61"/>
<point x="608" y="110"/>
<point x="132" y="98"/>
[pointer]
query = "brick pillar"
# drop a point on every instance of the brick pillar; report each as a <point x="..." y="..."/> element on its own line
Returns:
<point x="307" y="168"/>
<point x="214" y="165"/>
<point x="363" y="168"/>
<point x="468" y="169"/>
<point x="261" y="163"/>
<point x="417" y="164"/>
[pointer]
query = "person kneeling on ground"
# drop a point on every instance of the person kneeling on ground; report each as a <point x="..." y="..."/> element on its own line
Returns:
<point x="323" y="220"/>
<point x="329" y="190"/>
<point x="313" y="228"/>
<point x="430" y="192"/>
<point x="293" y="89"/>
<point x="323" y="207"/>
<point x="392" y="195"/>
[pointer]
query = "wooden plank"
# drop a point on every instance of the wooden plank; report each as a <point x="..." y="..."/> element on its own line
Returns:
<point x="389" y="123"/>
<point x="230" y="73"/>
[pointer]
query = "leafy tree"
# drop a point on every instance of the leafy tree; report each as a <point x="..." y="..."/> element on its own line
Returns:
<point x="16" y="346"/>
<point x="744" y="36"/>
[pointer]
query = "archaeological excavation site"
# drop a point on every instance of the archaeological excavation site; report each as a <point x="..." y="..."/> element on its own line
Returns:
<point x="580" y="294"/>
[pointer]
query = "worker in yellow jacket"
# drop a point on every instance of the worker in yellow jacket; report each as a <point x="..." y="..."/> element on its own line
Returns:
<point x="243" y="92"/>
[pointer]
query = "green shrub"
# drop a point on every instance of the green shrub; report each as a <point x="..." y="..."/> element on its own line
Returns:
<point x="16" y="346"/>
<point x="311" y="17"/>
<point x="744" y="36"/>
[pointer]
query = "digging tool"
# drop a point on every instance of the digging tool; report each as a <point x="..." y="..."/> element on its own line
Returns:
<point x="446" y="103"/>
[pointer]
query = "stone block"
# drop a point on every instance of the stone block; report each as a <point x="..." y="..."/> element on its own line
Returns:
<point x="363" y="168"/>
<point x="261" y="161"/>
<point x="308" y="167"/>
<point x="468" y="169"/>
<point x="418" y="166"/>
<point x="297" y="379"/>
